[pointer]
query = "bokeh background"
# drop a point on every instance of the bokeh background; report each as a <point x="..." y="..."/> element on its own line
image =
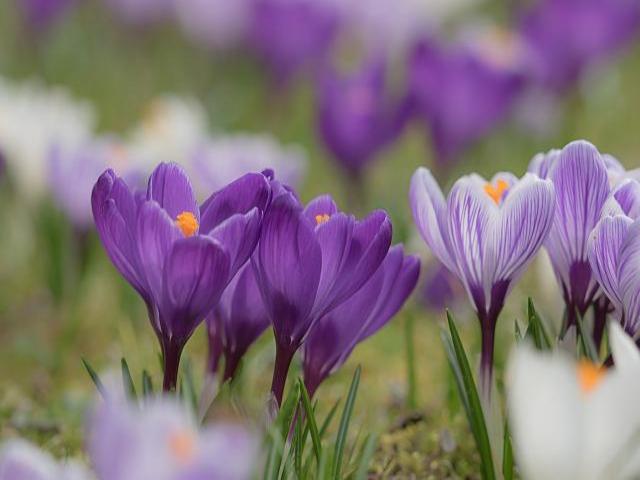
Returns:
<point x="470" y="86"/>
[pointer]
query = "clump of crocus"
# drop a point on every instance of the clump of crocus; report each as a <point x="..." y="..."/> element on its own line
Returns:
<point x="461" y="96"/>
<point x="564" y="38"/>
<point x="179" y="257"/>
<point x="486" y="232"/>
<point x="310" y="260"/>
<point x="356" y="116"/>
<point x="236" y="322"/>
<point x="580" y="177"/>
<point x="335" y="335"/>
<point x="589" y="426"/>
<point x="162" y="441"/>
<point x="40" y="15"/>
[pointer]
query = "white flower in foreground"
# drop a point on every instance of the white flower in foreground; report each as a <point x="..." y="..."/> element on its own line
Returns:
<point x="20" y="460"/>
<point x="576" y="420"/>
<point x="223" y="159"/>
<point x="33" y="118"/>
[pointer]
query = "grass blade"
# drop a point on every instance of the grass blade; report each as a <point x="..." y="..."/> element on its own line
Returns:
<point x="477" y="415"/>
<point x="412" y="400"/>
<point x="365" y="459"/>
<point x="94" y="377"/>
<point x="536" y="328"/>
<point x="328" y="419"/>
<point x="341" y="439"/>
<point x="310" y="418"/>
<point x="507" y="455"/>
<point x="586" y="342"/>
<point x="127" y="381"/>
<point x="147" y="384"/>
<point x="189" y="385"/>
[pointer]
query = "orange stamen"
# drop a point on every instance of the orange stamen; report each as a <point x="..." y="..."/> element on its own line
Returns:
<point x="320" y="219"/>
<point x="589" y="375"/>
<point x="496" y="193"/>
<point x="187" y="223"/>
<point x="183" y="446"/>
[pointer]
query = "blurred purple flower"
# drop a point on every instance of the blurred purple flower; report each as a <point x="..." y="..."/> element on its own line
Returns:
<point x="292" y="34"/>
<point x="237" y="321"/>
<point x="440" y="289"/>
<point x="177" y="256"/>
<point x="39" y="15"/>
<point x="335" y="335"/>
<point x="486" y="233"/>
<point x="141" y="12"/>
<point x="310" y="260"/>
<point x="161" y="441"/>
<point x="20" y="460"/>
<point x="356" y="117"/>
<point x="580" y="177"/>
<point x="565" y="37"/>
<point x="460" y="96"/>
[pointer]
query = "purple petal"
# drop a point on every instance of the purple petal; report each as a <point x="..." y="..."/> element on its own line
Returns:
<point x="541" y="164"/>
<point x="195" y="275"/>
<point x="171" y="188"/>
<point x="430" y="214"/>
<point x="582" y="187"/>
<point x="239" y="234"/>
<point x="629" y="277"/>
<point x="605" y="247"/>
<point x="156" y="234"/>
<point x="287" y="264"/>
<point x="241" y="196"/>
<point x="319" y="207"/>
<point x="627" y="194"/>
<point x="524" y="222"/>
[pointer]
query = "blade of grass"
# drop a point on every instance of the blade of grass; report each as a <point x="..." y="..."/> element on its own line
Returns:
<point x="94" y="377"/>
<point x="127" y="381"/>
<point x="187" y="375"/>
<point x="310" y="418"/>
<point x="588" y="347"/>
<point x="536" y="328"/>
<point x="344" y="424"/>
<point x="411" y="364"/>
<point x="365" y="459"/>
<point x="507" y="455"/>
<point x="477" y="414"/>
<point x="147" y="384"/>
<point x="328" y="419"/>
<point x="278" y="433"/>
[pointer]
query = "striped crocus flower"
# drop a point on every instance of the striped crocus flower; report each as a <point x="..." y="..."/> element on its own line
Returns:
<point x="486" y="232"/>
<point x="178" y="256"/>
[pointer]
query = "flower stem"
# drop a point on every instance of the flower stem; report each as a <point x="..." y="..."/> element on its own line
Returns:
<point x="280" y="370"/>
<point x="171" y="356"/>
<point x="411" y="364"/>
<point x="486" y="357"/>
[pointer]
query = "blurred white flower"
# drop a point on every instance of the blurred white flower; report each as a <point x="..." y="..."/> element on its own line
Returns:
<point x="33" y="117"/>
<point x="169" y="131"/>
<point x="575" y="420"/>
<point x="20" y="460"/>
<point x="224" y="158"/>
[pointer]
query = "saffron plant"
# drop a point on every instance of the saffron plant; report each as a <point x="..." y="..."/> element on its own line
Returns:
<point x="486" y="233"/>
<point x="177" y="256"/>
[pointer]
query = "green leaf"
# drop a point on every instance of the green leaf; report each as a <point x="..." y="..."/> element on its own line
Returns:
<point x="279" y="432"/>
<point x="322" y="466"/>
<point x="365" y="459"/>
<point x="341" y="439"/>
<point x="478" y="425"/>
<point x="127" y="381"/>
<point x="507" y="455"/>
<point x="310" y="418"/>
<point x="412" y="401"/>
<point x="94" y="377"/>
<point x="536" y="329"/>
<point x="586" y="342"/>
<point x="147" y="384"/>
<point x="328" y="419"/>
<point x="189" y="385"/>
<point x="518" y="332"/>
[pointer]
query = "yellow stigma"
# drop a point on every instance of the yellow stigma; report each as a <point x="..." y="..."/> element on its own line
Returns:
<point x="589" y="375"/>
<point x="187" y="223"/>
<point x="496" y="193"/>
<point x="182" y="445"/>
<point x="320" y="219"/>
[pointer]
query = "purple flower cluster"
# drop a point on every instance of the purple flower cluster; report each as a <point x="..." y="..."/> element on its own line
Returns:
<point x="312" y="269"/>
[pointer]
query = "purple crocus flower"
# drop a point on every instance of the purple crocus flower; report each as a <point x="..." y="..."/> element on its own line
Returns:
<point x="177" y="256"/>
<point x="39" y="15"/>
<point x="441" y="289"/>
<point x="580" y="177"/>
<point x="614" y="253"/>
<point x="461" y="96"/>
<point x="236" y="322"/>
<point x="141" y="12"/>
<point x="356" y="118"/>
<point x="486" y="233"/>
<point x="20" y="460"/>
<point x="565" y="37"/>
<point x="292" y="34"/>
<point x="161" y="441"/>
<point x="334" y="336"/>
<point x="310" y="260"/>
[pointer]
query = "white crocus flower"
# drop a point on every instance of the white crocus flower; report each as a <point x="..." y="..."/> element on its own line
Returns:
<point x="171" y="128"/>
<point x="33" y="118"/>
<point x="574" y="420"/>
